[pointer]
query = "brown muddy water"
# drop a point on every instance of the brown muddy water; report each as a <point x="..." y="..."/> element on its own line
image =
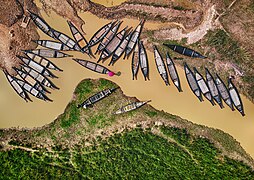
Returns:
<point x="15" y="112"/>
<point x="109" y="3"/>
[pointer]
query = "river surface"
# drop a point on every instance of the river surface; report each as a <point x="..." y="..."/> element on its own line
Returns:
<point x="109" y="3"/>
<point x="15" y="112"/>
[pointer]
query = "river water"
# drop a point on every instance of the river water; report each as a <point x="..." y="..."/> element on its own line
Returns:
<point x="15" y="112"/>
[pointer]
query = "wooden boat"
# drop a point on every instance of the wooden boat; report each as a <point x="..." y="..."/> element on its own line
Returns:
<point x="173" y="72"/>
<point x="143" y="60"/>
<point x="235" y="96"/>
<point x="131" y="107"/>
<point x="63" y="38"/>
<point x="135" y="62"/>
<point x="48" y="53"/>
<point x="160" y="65"/>
<point x="96" y="97"/>
<point x="39" y="68"/>
<point x="112" y="45"/>
<point x="52" y="45"/>
<point x="184" y="51"/>
<point x="120" y="50"/>
<point x="100" y="34"/>
<point x="223" y="91"/>
<point x="28" y="78"/>
<point x="203" y="86"/>
<point x="192" y="82"/>
<point x="18" y="89"/>
<point x="38" y="77"/>
<point x="80" y="39"/>
<point x="133" y="39"/>
<point x="108" y="37"/>
<point x="213" y="88"/>
<point x="93" y="66"/>
<point x="42" y="61"/>
<point x="41" y="24"/>
<point x="32" y="90"/>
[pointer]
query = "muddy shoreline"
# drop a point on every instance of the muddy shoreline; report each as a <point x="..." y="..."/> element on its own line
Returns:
<point x="13" y="37"/>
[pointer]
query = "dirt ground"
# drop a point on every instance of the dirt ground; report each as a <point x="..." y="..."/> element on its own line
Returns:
<point x="13" y="37"/>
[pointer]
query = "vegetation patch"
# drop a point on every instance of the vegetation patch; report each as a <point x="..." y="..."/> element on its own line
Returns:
<point x="226" y="46"/>
<point x="93" y="143"/>
<point x="135" y="154"/>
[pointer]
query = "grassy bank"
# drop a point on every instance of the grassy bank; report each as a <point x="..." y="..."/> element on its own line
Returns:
<point x="94" y="143"/>
<point x="134" y="154"/>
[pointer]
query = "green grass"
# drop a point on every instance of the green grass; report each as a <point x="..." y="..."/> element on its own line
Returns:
<point x="71" y="116"/>
<point x="151" y="113"/>
<point x="164" y="4"/>
<point x="226" y="46"/>
<point x="136" y="154"/>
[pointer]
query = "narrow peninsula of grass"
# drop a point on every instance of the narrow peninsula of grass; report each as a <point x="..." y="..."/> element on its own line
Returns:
<point x="144" y="144"/>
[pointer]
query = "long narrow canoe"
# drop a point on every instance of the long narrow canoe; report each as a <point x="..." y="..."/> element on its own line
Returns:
<point x="108" y="37"/>
<point x="143" y="60"/>
<point x="223" y="92"/>
<point x="40" y="78"/>
<point x="42" y="61"/>
<point x="100" y="34"/>
<point x="94" y="66"/>
<point x="203" y="86"/>
<point x="192" y="82"/>
<point x="184" y="51"/>
<point x="135" y="62"/>
<point x="18" y="89"/>
<point x="63" y="38"/>
<point x="96" y="97"/>
<point x="80" y="39"/>
<point x="112" y="45"/>
<point x="173" y="72"/>
<point x="48" y="53"/>
<point x="134" y="38"/>
<point x="120" y="50"/>
<point x="213" y="88"/>
<point x="235" y="96"/>
<point x="160" y="65"/>
<point x="39" y="68"/>
<point x="41" y="24"/>
<point x="32" y="90"/>
<point x="52" y="45"/>
<point x="28" y="78"/>
<point x="131" y="107"/>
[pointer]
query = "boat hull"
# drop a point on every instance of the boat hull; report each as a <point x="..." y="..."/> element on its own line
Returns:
<point x="184" y="51"/>
<point x="96" y="98"/>
<point x="213" y="88"/>
<point x="202" y="84"/>
<point x="224" y="92"/>
<point x="173" y="72"/>
<point x="143" y="60"/>
<point x="135" y="63"/>
<point x="160" y="65"/>
<point x="120" y="50"/>
<point x="192" y="82"/>
<point x="235" y="96"/>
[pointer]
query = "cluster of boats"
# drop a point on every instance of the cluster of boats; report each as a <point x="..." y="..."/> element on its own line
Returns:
<point x="214" y="89"/>
<point x="161" y="67"/>
<point x="36" y="68"/>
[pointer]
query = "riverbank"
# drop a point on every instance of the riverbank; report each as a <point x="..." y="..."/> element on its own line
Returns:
<point x="85" y="129"/>
<point x="13" y="37"/>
